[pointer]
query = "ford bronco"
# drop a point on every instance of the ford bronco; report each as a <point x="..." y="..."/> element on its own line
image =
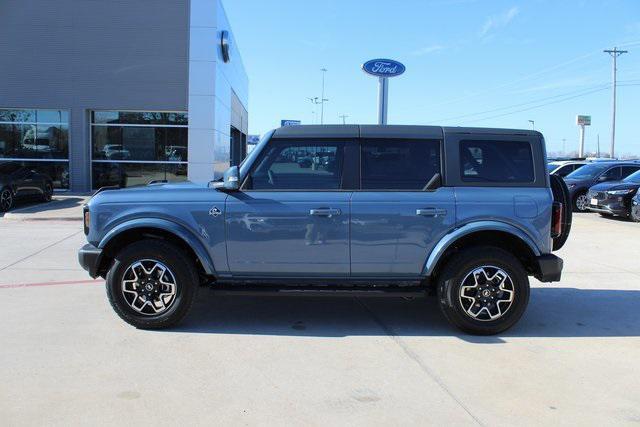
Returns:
<point x="464" y="213"/>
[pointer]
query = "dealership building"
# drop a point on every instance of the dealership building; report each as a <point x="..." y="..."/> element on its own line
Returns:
<point x="120" y="92"/>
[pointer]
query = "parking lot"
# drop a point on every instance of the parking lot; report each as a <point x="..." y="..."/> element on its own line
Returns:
<point x="67" y="359"/>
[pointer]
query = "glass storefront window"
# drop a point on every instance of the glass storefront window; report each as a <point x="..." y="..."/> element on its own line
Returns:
<point x="133" y="148"/>
<point x="32" y="136"/>
<point x="122" y="174"/>
<point x="139" y="118"/>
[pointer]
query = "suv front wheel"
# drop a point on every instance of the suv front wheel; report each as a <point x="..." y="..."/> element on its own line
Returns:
<point x="581" y="202"/>
<point x="152" y="284"/>
<point x="483" y="290"/>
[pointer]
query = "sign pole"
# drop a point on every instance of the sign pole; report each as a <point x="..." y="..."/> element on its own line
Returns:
<point x="383" y="96"/>
<point x="383" y="69"/>
<point x="581" y="151"/>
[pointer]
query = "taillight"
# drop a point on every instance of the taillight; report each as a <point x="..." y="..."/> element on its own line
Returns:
<point x="556" y="220"/>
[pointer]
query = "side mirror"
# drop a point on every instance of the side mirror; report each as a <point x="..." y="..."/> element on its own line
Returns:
<point x="231" y="180"/>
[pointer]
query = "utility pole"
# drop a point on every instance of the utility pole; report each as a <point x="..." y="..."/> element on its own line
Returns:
<point x="614" y="53"/>
<point x="322" y="98"/>
<point x="564" y="151"/>
<point x="343" y="117"/>
<point x="598" y="153"/>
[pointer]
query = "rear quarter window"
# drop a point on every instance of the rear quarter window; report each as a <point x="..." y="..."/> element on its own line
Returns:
<point x="496" y="161"/>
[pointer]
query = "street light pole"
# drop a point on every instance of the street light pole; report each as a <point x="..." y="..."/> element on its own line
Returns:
<point x="614" y="53"/>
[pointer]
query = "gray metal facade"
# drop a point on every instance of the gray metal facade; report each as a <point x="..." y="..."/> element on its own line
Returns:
<point x="83" y="55"/>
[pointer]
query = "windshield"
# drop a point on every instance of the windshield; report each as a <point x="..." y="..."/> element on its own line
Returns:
<point x="634" y="177"/>
<point x="588" y="171"/>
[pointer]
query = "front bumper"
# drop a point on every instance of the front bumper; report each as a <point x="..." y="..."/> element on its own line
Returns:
<point x="89" y="258"/>
<point x="549" y="268"/>
<point x="607" y="204"/>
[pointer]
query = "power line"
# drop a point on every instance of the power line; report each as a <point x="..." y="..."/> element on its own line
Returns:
<point x="527" y="77"/>
<point x="541" y="105"/>
<point x="602" y="85"/>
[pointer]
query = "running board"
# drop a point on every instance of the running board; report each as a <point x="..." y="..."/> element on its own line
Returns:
<point x="269" y="290"/>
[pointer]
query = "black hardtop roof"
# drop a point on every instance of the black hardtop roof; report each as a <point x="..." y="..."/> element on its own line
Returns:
<point x="392" y="131"/>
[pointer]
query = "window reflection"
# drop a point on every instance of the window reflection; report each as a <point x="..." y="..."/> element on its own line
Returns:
<point x="132" y="148"/>
<point x="120" y="174"/>
<point x="37" y="135"/>
<point x="57" y="172"/>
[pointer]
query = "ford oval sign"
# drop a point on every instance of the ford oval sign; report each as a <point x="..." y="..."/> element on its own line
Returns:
<point x="383" y="68"/>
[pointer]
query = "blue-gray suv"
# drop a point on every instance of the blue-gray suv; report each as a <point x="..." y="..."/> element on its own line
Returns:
<point x="405" y="211"/>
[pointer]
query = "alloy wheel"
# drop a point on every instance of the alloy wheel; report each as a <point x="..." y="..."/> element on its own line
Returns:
<point x="635" y="213"/>
<point x="149" y="287"/>
<point x="582" y="202"/>
<point x="6" y="200"/>
<point x="487" y="293"/>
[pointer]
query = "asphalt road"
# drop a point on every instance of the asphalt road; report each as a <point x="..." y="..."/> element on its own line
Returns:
<point x="66" y="358"/>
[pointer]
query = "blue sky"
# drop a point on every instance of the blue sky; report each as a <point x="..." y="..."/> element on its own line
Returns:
<point x="469" y="63"/>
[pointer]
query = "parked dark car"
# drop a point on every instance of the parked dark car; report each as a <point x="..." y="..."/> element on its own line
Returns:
<point x="614" y="198"/>
<point x="589" y="175"/>
<point x="19" y="182"/>
<point x="563" y="168"/>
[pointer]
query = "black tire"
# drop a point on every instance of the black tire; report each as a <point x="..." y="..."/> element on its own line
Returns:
<point x="561" y="194"/>
<point x="7" y="199"/>
<point x="180" y="266"/>
<point x="47" y="193"/>
<point x="463" y="264"/>
<point x="576" y="202"/>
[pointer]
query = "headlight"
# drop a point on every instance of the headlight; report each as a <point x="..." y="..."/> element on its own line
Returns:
<point x="621" y="192"/>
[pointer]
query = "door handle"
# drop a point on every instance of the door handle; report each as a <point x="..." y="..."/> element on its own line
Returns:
<point x="328" y="212"/>
<point x="435" y="212"/>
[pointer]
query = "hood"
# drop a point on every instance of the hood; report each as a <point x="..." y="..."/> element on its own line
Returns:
<point x="158" y="193"/>
<point x="615" y="185"/>
<point x="163" y="187"/>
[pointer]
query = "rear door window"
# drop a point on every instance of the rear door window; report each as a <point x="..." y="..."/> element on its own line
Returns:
<point x="612" y="174"/>
<point x="398" y="164"/>
<point x="496" y="161"/>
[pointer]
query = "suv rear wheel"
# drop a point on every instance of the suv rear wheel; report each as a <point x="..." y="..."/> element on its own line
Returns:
<point x="483" y="290"/>
<point x="152" y="284"/>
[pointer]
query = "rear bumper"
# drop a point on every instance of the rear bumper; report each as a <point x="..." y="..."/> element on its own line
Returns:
<point x="549" y="268"/>
<point x="89" y="258"/>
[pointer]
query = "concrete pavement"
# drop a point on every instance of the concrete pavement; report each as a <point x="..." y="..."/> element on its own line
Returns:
<point x="61" y="208"/>
<point x="67" y="358"/>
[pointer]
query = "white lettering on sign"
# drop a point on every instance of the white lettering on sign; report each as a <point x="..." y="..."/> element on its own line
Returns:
<point x="384" y="68"/>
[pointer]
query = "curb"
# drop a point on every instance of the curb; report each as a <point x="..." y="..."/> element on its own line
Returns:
<point x="24" y="217"/>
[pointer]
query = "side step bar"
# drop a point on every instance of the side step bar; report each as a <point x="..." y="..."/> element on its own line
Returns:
<point x="335" y="291"/>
